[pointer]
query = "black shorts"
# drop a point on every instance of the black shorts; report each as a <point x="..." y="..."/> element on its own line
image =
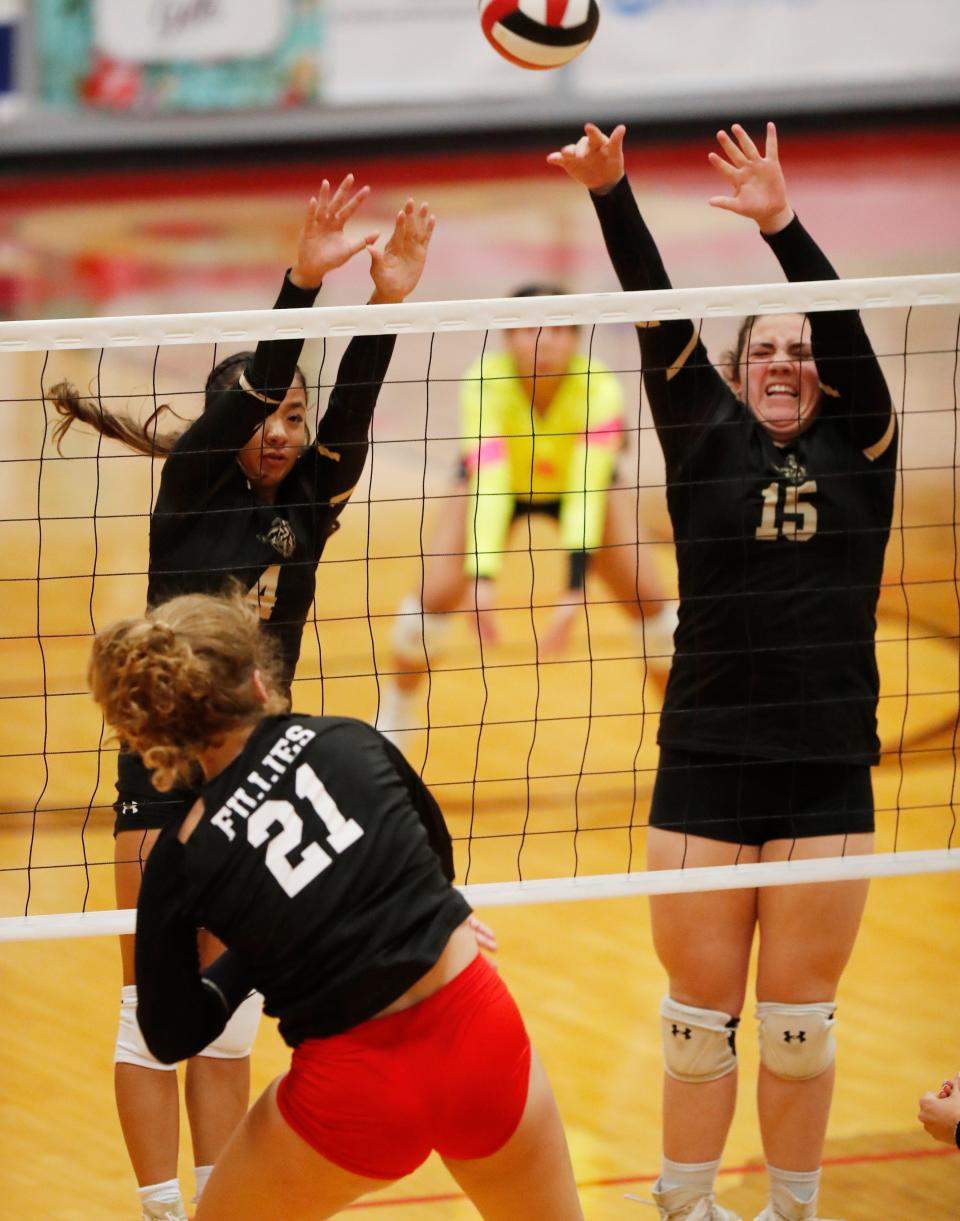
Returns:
<point x="750" y="801"/>
<point x="139" y="806"/>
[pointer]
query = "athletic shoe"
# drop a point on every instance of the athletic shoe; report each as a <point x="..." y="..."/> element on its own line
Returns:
<point x="680" y="1203"/>
<point x="164" y="1210"/>
<point x="784" y="1206"/>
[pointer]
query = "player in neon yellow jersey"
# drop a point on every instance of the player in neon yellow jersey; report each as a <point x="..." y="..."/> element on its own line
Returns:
<point x="542" y="427"/>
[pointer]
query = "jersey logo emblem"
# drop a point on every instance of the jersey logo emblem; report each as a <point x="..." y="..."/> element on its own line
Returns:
<point x="280" y="537"/>
<point x="792" y="470"/>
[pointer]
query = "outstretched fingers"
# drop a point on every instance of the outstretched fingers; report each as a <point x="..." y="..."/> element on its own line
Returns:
<point x="424" y="222"/>
<point x="729" y="171"/>
<point x="347" y="209"/>
<point x="732" y="151"/>
<point x="745" y="142"/>
<point x="414" y="224"/>
<point x="595" y="160"/>
<point x="773" y="148"/>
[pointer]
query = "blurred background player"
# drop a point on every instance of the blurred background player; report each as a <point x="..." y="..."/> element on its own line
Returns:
<point x="542" y="426"/>
<point x="244" y="494"/>
<point x="405" y="1039"/>
<point x="780" y="485"/>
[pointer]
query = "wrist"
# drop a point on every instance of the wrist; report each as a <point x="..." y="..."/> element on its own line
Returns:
<point x="301" y="279"/>
<point x="606" y="188"/>
<point x="379" y="298"/>
<point x="776" y="221"/>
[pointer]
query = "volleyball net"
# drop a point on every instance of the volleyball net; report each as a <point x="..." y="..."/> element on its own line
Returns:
<point x="543" y="761"/>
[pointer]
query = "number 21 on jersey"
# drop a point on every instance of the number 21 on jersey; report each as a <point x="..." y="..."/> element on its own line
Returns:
<point x="786" y="512"/>
<point x="263" y="823"/>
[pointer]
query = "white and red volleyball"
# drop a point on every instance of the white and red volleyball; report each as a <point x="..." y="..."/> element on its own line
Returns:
<point x="539" y="33"/>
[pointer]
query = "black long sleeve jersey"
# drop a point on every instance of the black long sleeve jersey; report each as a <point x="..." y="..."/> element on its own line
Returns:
<point x="322" y="862"/>
<point x="207" y="525"/>
<point x="779" y="550"/>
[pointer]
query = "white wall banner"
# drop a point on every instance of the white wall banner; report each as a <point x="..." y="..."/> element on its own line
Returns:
<point x="663" y="56"/>
<point x="151" y="31"/>
<point x="385" y="52"/>
<point x="662" y="49"/>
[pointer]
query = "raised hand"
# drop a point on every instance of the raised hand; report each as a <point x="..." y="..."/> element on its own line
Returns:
<point x="396" y="269"/>
<point x="596" y="160"/>
<point x="322" y="244"/>
<point x="759" y="188"/>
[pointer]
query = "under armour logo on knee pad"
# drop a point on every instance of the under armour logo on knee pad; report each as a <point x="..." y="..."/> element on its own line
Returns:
<point x="800" y="1036"/>
<point x="686" y="1032"/>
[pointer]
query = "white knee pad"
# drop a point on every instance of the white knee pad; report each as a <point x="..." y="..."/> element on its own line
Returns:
<point x="698" y="1044"/>
<point x="796" y="1041"/>
<point x="131" y="1047"/>
<point x="236" y="1039"/>
<point x="417" y="632"/>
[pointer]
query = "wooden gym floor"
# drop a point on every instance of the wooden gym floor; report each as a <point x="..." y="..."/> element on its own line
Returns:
<point x="563" y="767"/>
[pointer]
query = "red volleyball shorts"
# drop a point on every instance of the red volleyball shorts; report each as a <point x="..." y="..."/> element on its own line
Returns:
<point x="450" y="1073"/>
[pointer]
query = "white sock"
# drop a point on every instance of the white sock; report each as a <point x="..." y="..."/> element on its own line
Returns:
<point x="161" y="1193"/>
<point x="691" y="1176"/>
<point x="655" y="634"/>
<point x="803" y="1185"/>
<point x="398" y="710"/>
<point x="200" y="1174"/>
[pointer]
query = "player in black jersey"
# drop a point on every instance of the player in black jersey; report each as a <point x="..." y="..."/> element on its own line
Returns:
<point x="318" y="857"/>
<point x="244" y="496"/>
<point x="780" y="484"/>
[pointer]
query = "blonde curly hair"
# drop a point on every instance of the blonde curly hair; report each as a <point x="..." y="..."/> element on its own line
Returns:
<point x="175" y="681"/>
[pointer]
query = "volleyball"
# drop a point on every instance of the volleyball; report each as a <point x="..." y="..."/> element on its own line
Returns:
<point x="539" y="33"/>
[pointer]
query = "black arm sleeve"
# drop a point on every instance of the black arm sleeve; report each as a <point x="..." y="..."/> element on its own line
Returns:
<point x="850" y="375"/>
<point x="209" y="445"/>
<point x="683" y="388"/>
<point x="336" y="461"/>
<point x="427" y="808"/>
<point x="179" y="1013"/>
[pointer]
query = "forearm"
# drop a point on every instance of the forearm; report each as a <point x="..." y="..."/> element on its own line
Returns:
<point x="633" y="252"/>
<point x="360" y="376"/>
<point x="798" y="254"/>
<point x="681" y="385"/>
<point x="229" y="419"/>
<point x="178" y="1013"/>
<point x="343" y="434"/>
<point x="489" y="512"/>
<point x="846" y="363"/>
<point x="270" y="373"/>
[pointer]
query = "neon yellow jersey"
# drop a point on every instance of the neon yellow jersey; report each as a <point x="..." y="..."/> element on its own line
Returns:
<point x="512" y="452"/>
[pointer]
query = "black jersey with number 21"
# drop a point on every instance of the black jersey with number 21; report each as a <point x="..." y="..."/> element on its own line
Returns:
<point x="322" y="862"/>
